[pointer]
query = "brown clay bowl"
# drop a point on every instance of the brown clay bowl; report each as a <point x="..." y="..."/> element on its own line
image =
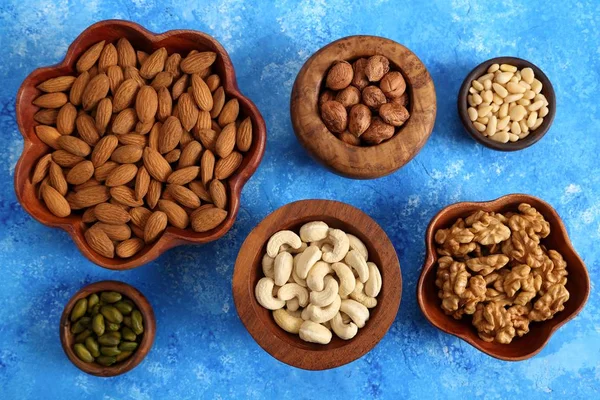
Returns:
<point x="33" y="149"/>
<point x="522" y="348"/>
<point x="289" y="348"/>
<point x="520" y="144"/>
<point x="67" y="338"/>
<point x="372" y="161"/>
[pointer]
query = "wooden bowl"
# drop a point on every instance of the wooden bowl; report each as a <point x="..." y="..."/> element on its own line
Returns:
<point x="287" y="347"/>
<point x="33" y="149"/>
<point x="372" y="161"/>
<point x="578" y="283"/>
<point x="534" y="136"/>
<point x="67" y="338"/>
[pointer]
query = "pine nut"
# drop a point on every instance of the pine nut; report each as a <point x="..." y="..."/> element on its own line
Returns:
<point x="477" y="99"/>
<point x="503" y="77"/>
<point x="483" y="120"/>
<point x="486" y="77"/>
<point x="536" y="86"/>
<point x="531" y="120"/>
<point x="543" y="112"/>
<point x="503" y="111"/>
<point x="514" y="79"/>
<point x="518" y="113"/>
<point x="500" y="90"/>
<point x="518" y="75"/>
<point x="495" y="107"/>
<point x="487" y="84"/>
<point x="503" y="123"/>
<point x="536" y="106"/>
<point x="523" y="126"/>
<point x="487" y="96"/>
<point x="470" y="100"/>
<point x="513" y="97"/>
<point x="472" y="113"/>
<point x="479" y="126"/>
<point x="493" y="68"/>
<point x="472" y="90"/>
<point x="491" y="127"/>
<point x="525" y="85"/>
<point x="512" y="137"/>
<point x="537" y="124"/>
<point x="523" y="135"/>
<point x="477" y="85"/>
<point x="513" y="87"/>
<point x="527" y="75"/>
<point x="483" y="111"/>
<point x="529" y="94"/>
<point x="508" y="68"/>
<point x="497" y="99"/>
<point x="524" y="102"/>
<point x="540" y="96"/>
<point x="501" y="137"/>
<point x="515" y="128"/>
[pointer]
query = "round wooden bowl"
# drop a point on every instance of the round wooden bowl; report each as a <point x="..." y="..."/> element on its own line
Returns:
<point x="521" y="348"/>
<point x="67" y="338"/>
<point x="534" y="136"/>
<point x="287" y="347"/>
<point x="369" y="161"/>
<point x="33" y="149"/>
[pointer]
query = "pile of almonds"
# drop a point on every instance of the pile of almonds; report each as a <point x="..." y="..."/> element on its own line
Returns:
<point x="140" y="141"/>
<point x="365" y="102"/>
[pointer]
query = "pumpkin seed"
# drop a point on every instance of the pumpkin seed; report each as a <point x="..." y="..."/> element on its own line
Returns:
<point x="128" y="334"/>
<point x="79" y="309"/>
<point x="106" y="360"/>
<point x="110" y="297"/>
<point x="82" y="336"/>
<point x="98" y="324"/>
<point x="92" y="346"/>
<point x="82" y="353"/>
<point x="137" y="324"/>
<point x="128" y="346"/>
<point x="110" y="350"/>
<point x="112" y="314"/>
<point x="110" y="339"/>
<point x="123" y="307"/>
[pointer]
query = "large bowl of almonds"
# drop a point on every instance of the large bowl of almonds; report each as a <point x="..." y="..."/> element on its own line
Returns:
<point x="136" y="142"/>
<point x="501" y="275"/>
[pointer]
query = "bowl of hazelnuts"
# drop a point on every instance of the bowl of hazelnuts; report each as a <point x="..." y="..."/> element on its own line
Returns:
<point x="363" y="106"/>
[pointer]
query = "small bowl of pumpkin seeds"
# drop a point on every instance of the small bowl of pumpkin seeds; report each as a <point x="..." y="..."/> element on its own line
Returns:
<point x="107" y="328"/>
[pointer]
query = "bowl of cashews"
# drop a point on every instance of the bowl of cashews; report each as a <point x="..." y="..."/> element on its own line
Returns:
<point x="317" y="284"/>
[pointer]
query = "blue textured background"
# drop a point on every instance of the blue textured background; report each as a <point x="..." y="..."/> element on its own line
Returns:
<point x="201" y="348"/>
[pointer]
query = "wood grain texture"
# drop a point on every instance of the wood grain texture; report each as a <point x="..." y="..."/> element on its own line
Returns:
<point x="174" y="41"/>
<point x="67" y="338"/>
<point x="369" y="161"/>
<point x="578" y="283"/>
<point x="534" y="136"/>
<point x="289" y="348"/>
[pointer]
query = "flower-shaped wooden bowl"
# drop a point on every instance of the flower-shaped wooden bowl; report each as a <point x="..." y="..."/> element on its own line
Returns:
<point x="181" y="41"/>
<point x="521" y="348"/>
<point x="67" y="338"/>
<point x="370" y="161"/>
<point x="289" y="348"/>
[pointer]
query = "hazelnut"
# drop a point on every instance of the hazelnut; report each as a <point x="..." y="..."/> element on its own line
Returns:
<point x="327" y="95"/>
<point x="349" y="138"/>
<point x="377" y="132"/>
<point x="402" y="100"/>
<point x="377" y="66"/>
<point x="339" y="76"/>
<point x="393" y="114"/>
<point x="334" y="116"/>
<point x="360" y="79"/>
<point x="348" y="97"/>
<point x="373" y="97"/>
<point x="359" y="119"/>
<point x="392" y="84"/>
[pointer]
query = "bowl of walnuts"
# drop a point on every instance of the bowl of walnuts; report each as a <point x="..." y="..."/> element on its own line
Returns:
<point x="502" y="275"/>
<point x="136" y="142"/>
<point x="363" y="106"/>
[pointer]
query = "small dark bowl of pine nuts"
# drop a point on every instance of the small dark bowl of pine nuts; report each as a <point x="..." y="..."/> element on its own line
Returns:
<point x="506" y="103"/>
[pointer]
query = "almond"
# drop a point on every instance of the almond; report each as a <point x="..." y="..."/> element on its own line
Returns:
<point x="55" y="202"/>
<point x="229" y="113"/>
<point x="206" y="219"/>
<point x="115" y="77"/>
<point x="99" y="241"/>
<point x="208" y="138"/>
<point x="46" y="116"/>
<point x="108" y="57"/>
<point x="154" y="135"/>
<point x="172" y="65"/>
<point x="180" y="86"/>
<point x="156" y="165"/>
<point x="125" y="95"/>
<point x="207" y="166"/>
<point x="186" y="138"/>
<point x="198" y="62"/>
<point x="126" y="196"/>
<point x="225" y="167"/>
<point x="188" y="113"/>
<point x="86" y="127"/>
<point x="111" y="214"/>
<point x="78" y="87"/>
<point x="65" y="159"/>
<point x="218" y="102"/>
<point x="89" y="183"/>
<point x="133" y="138"/>
<point x="139" y="216"/>
<point x="184" y="176"/>
<point x="175" y="214"/>
<point x="146" y="103"/>
<point x="190" y="154"/>
<point x="184" y="196"/>
<point x="104" y="149"/>
<point x="165" y="104"/>
<point x="170" y="134"/>
<point x="144" y="127"/>
<point x="204" y="121"/>
<point x="133" y="73"/>
<point x="80" y="173"/>
<point x="102" y="171"/>
<point x="213" y="82"/>
<point x="121" y="175"/>
<point x="153" y="64"/>
<point x="41" y="169"/>
<point x="130" y="247"/>
<point x="155" y="225"/>
<point x="154" y="192"/>
<point x="172" y="156"/>
<point x="128" y="154"/>
<point x="58" y="84"/>
<point x="116" y="232"/>
<point x="124" y="122"/>
<point x="138" y="232"/>
<point x="89" y="197"/>
<point x="141" y="56"/>
<point x="163" y="79"/>
<point x="89" y="58"/>
<point x="48" y="135"/>
<point x="51" y="100"/>
<point x="95" y="90"/>
<point x="198" y="188"/>
<point x="103" y="115"/>
<point x="88" y="216"/>
<point x="226" y="141"/>
<point x="125" y="53"/>
<point x="218" y="193"/>
<point x="244" y="135"/>
<point x="74" y="145"/>
<point x="142" y="183"/>
<point x="93" y="71"/>
<point x="201" y="93"/>
<point x="57" y="180"/>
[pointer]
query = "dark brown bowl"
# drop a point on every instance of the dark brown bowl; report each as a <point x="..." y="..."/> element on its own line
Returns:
<point x="370" y="161"/>
<point x="289" y="348"/>
<point x="67" y="338"/>
<point x="33" y="149"/>
<point x="578" y="283"/>
<point x="534" y="136"/>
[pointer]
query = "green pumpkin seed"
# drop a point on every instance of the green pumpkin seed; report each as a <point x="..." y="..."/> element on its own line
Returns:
<point x="113" y="327"/>
<point x="137" y="324"/>
<point x="127" y="321"/>
<point x="98" y="324"/>
<point x="124" y="307"/>
<point x="110" y="297"/>
<point x="81" y="325"/>
<point x="82" y="336"/>
<point x="128" y="334"/>
<point x="93" y="299"/>
<point x="112" y="314"/>
<point x="82" y="353"/>
<point x="128" y="346"/>
<point x="79" y="309"/>
<point x="110" y="339"/>
<point x="95" y="310"/>
<point x="106" y="360"/>
<point x="92" y="346"/>
<point x="123" y="355"/>
<point x="110" y="350"/>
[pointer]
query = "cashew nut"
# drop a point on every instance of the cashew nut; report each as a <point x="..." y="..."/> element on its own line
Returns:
<point x="314" y="231"/>
<point x="306" y="260"/>
<point x="284" y="262"/>
<point x="317" y="273"/>
<point x="341" y="244"/>
<point x="296" y="313"/>
<point x="290" y="249"/>
<point x="305" y="315"/>
<point x="314" y="333"/>
<point x="264" y="294"/>
<point x="327" y="325"/>
<point x="343" y="330"/>
<point x="356" y="311"/>
<point x="322" y="314"/>
<point x="345" y="318"/>
<point x="359" y="295"/>
<point x="268" y="266"/>
<point x="287" y="322"/>
<point x="358" y="245"/>
<point x="327" y="295"/>
<point x="373" y="284"/>
<point x="321" y="243"/>
<point x="280" y="238"/>
<point x="291" y="290"/>
<point x="355" y="260"/>
<point x="346" y="277"/>
<point x="327" y="247"/>
<point x="292" y="304"/>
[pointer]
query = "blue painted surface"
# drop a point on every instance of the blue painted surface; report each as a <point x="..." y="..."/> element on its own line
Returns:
<point x="202" y="350"/>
